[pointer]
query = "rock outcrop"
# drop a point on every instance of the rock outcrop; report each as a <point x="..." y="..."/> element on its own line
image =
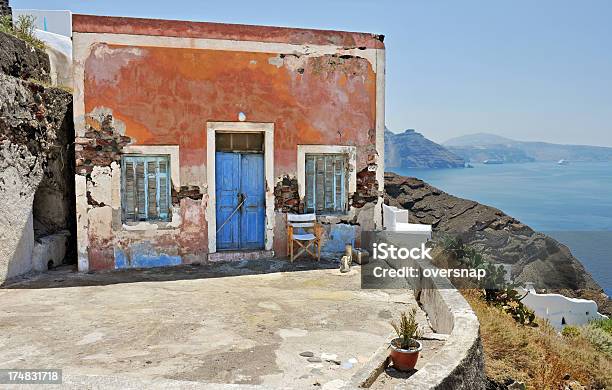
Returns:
<point x="534" y="257"/>
<point x="36" y="144"/>
<point x="18" y="59"/>
<point x="412" y="150"/>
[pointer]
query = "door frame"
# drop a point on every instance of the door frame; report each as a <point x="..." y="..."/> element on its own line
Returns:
<point x="211" y="207"/>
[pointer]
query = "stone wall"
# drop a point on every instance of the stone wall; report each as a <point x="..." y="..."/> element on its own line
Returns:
<point x="36" y="176"/>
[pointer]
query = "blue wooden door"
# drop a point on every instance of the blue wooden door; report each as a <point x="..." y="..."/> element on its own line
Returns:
<point x="227" y="179"/>
<point x="240" y="200"/>
<point x="252" y="213"/>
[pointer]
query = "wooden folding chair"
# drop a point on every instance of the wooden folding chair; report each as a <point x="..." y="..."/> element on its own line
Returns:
<point x="306" y="232"/>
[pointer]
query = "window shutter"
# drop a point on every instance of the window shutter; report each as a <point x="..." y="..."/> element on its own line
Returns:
<point x="152" y="194"/>
<point x="330" y="195"/>
<point x="163" y="188"/>
<point x="141" y="189"/>
<point x="339" y="180"/>
<point x="129" y="196"/>
<point x="320" y="184"/>
<point x="310" y="184"/>
<point x="145" y="188"/>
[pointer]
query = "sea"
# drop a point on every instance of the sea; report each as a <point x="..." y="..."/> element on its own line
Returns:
<point x="572" y="203"/>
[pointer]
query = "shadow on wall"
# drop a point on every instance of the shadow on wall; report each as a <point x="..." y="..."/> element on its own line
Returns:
<point x="37" y="229"/>
<point x="22" y="240"/>
<point x="54" y="207"/>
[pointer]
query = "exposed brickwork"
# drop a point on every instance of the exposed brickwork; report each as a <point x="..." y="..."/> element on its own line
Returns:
<point x="101" y="144"/>
<point x="367" y="188"/>
<point x="92" y="202"/>
<point x="286" y="196"/>
<point x="191" y="192"/>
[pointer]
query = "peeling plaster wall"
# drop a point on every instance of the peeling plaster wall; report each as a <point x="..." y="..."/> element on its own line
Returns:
<point x="155" y="90"/>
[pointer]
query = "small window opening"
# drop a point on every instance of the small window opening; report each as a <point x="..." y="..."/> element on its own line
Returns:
<point x="239" y="142"/>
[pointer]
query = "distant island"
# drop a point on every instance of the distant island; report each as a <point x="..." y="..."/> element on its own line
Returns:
<point x="481" y="147"/>
<point x="411" y="149"/>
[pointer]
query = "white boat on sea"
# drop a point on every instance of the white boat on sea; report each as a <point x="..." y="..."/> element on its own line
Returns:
<point x="563" y="162"/>
<point x="492" y="161"/>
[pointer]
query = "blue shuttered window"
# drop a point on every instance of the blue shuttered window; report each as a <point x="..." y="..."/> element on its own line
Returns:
<point x="145" y="188"/>
<point x="326" y="183"/>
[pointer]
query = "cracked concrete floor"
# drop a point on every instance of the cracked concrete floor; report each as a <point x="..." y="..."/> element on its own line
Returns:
<point x="241" y="329"/>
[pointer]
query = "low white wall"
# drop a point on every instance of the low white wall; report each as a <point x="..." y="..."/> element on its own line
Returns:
<point x="59" y="49"/>
<point x="397" y="220"/>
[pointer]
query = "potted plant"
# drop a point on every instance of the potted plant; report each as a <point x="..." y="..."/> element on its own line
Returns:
<point x="405" y="348"/>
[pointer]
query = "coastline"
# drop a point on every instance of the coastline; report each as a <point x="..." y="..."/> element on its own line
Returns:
<point x="533" y="256"/>
<point x="568" y="203"/>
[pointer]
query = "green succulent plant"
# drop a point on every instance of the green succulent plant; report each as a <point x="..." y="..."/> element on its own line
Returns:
<point x="407" y="330"/>
<point x="570" y="332"/>
<point x="496" y="290"/>
<point x="605" y="325"/>
<point x="598" y="337"/>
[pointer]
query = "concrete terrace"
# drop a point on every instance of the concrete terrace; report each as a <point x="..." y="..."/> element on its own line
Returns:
<point x="176" y="326"/>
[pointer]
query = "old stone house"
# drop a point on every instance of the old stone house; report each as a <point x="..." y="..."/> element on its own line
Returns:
<point x="193" y="140"/>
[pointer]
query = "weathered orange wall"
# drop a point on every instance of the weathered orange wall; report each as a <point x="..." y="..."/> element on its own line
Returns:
<point x="166" y="96"/>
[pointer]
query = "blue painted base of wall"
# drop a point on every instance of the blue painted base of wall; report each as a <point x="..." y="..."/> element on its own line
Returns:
<point x="143" y="255"/>
<point x="339" y="236"/>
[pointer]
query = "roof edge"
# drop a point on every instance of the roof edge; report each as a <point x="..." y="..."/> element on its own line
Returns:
<point x="211" y="30"/>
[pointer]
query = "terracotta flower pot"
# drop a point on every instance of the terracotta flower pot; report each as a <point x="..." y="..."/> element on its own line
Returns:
<point x="404" y="359"/>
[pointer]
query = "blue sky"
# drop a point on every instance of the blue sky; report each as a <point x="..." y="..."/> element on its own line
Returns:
<point x="529" y="70"/>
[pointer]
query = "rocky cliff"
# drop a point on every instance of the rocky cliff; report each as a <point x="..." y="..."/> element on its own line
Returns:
<point x="36" y="141"/>
<point x="534" y="257"/>
<point x="412" y="150"/>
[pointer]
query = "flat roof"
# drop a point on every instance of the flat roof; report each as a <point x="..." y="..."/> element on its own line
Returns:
<point x="236" y="32"/>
